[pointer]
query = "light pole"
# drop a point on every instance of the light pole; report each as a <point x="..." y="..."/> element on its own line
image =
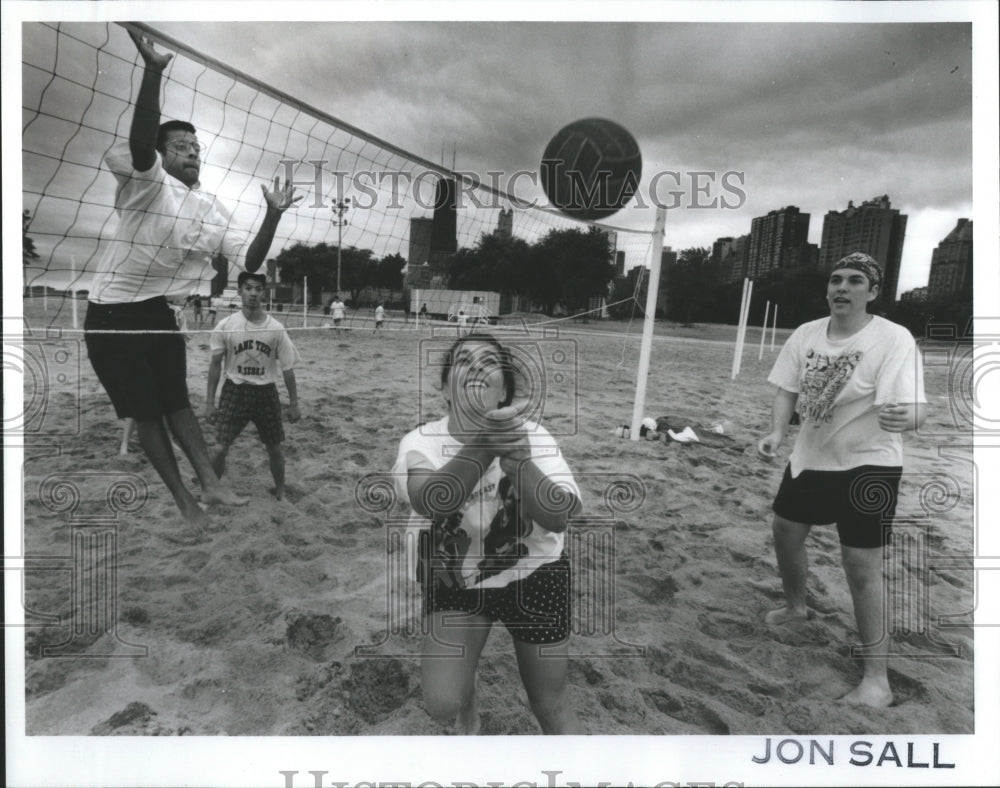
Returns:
<point x="340" y="207"/>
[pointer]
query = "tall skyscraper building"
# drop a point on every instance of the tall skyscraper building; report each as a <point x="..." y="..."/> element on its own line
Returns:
<point x="668" y="258"/>
<point x="505" y="224"/>
<point x="776" y="240"/>
<point x="874" y="227"/>
<point x="420" y="241"/>
<point x="444" y="239"/>
<point x="730" y="255"/>
<point x="951" y="264"/>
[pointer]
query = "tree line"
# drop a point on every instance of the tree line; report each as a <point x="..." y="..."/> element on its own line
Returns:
<point x="694" y="290"/>
<point x="565" y="267"/>
<point x="359" y="269"/>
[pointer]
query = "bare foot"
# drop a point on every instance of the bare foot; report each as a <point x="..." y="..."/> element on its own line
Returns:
<point x="279" y="492"/>
<point x="224" y="496"/>
<point x="194" y="516"/>
<point x="784" y="615"/>
<point x="870" y="692"/>
<point x="467" y="723"/>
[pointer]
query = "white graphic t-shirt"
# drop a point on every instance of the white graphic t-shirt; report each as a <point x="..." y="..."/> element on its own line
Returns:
<point x="841" y="385"/>
<point x="255" y="353"/>
<point x="488" y="543"/>
<point x="166" y="238"/>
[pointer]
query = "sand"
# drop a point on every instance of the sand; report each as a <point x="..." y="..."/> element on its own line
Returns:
<point x="257" y="631"/>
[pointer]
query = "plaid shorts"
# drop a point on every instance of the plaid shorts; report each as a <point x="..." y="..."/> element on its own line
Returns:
<point x="240" y="403"/>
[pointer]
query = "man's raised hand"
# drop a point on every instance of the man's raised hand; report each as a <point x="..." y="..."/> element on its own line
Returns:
<point x="280" y="199"/>
<point x="152" y="58"/>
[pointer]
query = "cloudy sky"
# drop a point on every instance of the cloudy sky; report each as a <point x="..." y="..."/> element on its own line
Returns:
<point x="807" y="114"/>
<point x="814" y="115"/>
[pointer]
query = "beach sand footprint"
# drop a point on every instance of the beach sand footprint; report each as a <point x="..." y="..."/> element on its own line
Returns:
<point x="688" y="710"/>
<point x="312" y="633"/>
<point x="723" y="627"/>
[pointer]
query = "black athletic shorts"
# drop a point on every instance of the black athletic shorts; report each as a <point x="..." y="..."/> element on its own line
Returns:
<point x="241" y="403"/>
<point x="861" y="501"/>
<point x="535" y="609"/>
<point x="144" y="374"/>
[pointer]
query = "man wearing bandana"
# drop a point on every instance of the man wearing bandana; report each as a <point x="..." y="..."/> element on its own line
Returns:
<point x="857" y="383"/>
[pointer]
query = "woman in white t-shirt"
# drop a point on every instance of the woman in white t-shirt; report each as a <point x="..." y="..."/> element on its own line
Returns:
<point x="491" y="497"/>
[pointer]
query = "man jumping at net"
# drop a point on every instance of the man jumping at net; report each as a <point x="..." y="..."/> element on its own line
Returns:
<point x="169" y="230"/>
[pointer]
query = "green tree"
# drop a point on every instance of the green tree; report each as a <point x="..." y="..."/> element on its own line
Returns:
<point x="28" y="253"/>
<point x="692" y="287"/>
<point x="571" y="266"/>
<point x="497" y="262"/>
<point x="319" y="263"/>
<point x="389" y="274"/>
<point x="316" y="263"/>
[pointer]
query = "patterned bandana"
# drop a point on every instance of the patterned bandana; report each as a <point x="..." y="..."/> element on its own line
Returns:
<point x="859" y="261"/>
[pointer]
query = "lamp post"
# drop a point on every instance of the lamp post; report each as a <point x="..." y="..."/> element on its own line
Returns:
<point x="340" y="207"/>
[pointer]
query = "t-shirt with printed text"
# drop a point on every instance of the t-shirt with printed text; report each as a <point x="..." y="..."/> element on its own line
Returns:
<point x="255" y="352"/>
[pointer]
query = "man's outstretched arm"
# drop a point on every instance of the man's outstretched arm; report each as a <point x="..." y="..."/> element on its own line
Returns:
<point x="278" y="201"/>
<point x="146" y="116"/>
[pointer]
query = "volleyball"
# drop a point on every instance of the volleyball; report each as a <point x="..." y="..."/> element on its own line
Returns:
<point x="591" y="168"/>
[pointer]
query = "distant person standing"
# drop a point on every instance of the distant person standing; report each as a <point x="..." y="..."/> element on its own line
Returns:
<point x="337" y="313"/>
<point x="196" y="306"/>
<point x="254" y="348"/>
<point x="858" y="383"/>
<point x="379" y="317"/>
<point x="168" y="232"/>
<point x="211" y="310"/>
<point x="423" y="314"/>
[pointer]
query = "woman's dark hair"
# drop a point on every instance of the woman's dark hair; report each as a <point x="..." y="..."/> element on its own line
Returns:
<point x="506" y="364"/>
<point x="171" y="125"/>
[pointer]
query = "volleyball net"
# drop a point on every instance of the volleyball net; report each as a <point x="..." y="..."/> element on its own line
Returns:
<point x="80" y="82"/>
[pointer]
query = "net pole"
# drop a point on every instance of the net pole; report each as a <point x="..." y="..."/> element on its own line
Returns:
<point x="774" y="326"/>
<point x="305" y="301"/>
<point x="746" y="324"/>
<point x="72" y="291"/>
<point x="655" y="257"/>
<point x="763" y="330"/>
<point x="739" y="330"/>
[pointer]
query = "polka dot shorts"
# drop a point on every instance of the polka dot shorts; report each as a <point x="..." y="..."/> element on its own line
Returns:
<point x="535" y="609"/>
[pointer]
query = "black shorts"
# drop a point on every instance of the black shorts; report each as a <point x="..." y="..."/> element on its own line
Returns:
<point x="535" y="609"/>
<point x="241" y="403"/>
<point x="861" y="501"/>
<point x="144" y="374"/>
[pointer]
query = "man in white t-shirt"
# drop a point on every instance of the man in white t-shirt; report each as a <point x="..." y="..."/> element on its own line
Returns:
<point x="379" y="317"/>
<point x="255" y="348"/>
<point x="168" y="232"/>
<point x="858" y="383"/>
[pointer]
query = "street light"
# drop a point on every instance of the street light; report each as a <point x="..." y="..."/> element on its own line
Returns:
<point x="340" y="207"/>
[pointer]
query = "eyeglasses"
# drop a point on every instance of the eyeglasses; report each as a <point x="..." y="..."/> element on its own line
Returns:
<point x="183" y="147"/>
